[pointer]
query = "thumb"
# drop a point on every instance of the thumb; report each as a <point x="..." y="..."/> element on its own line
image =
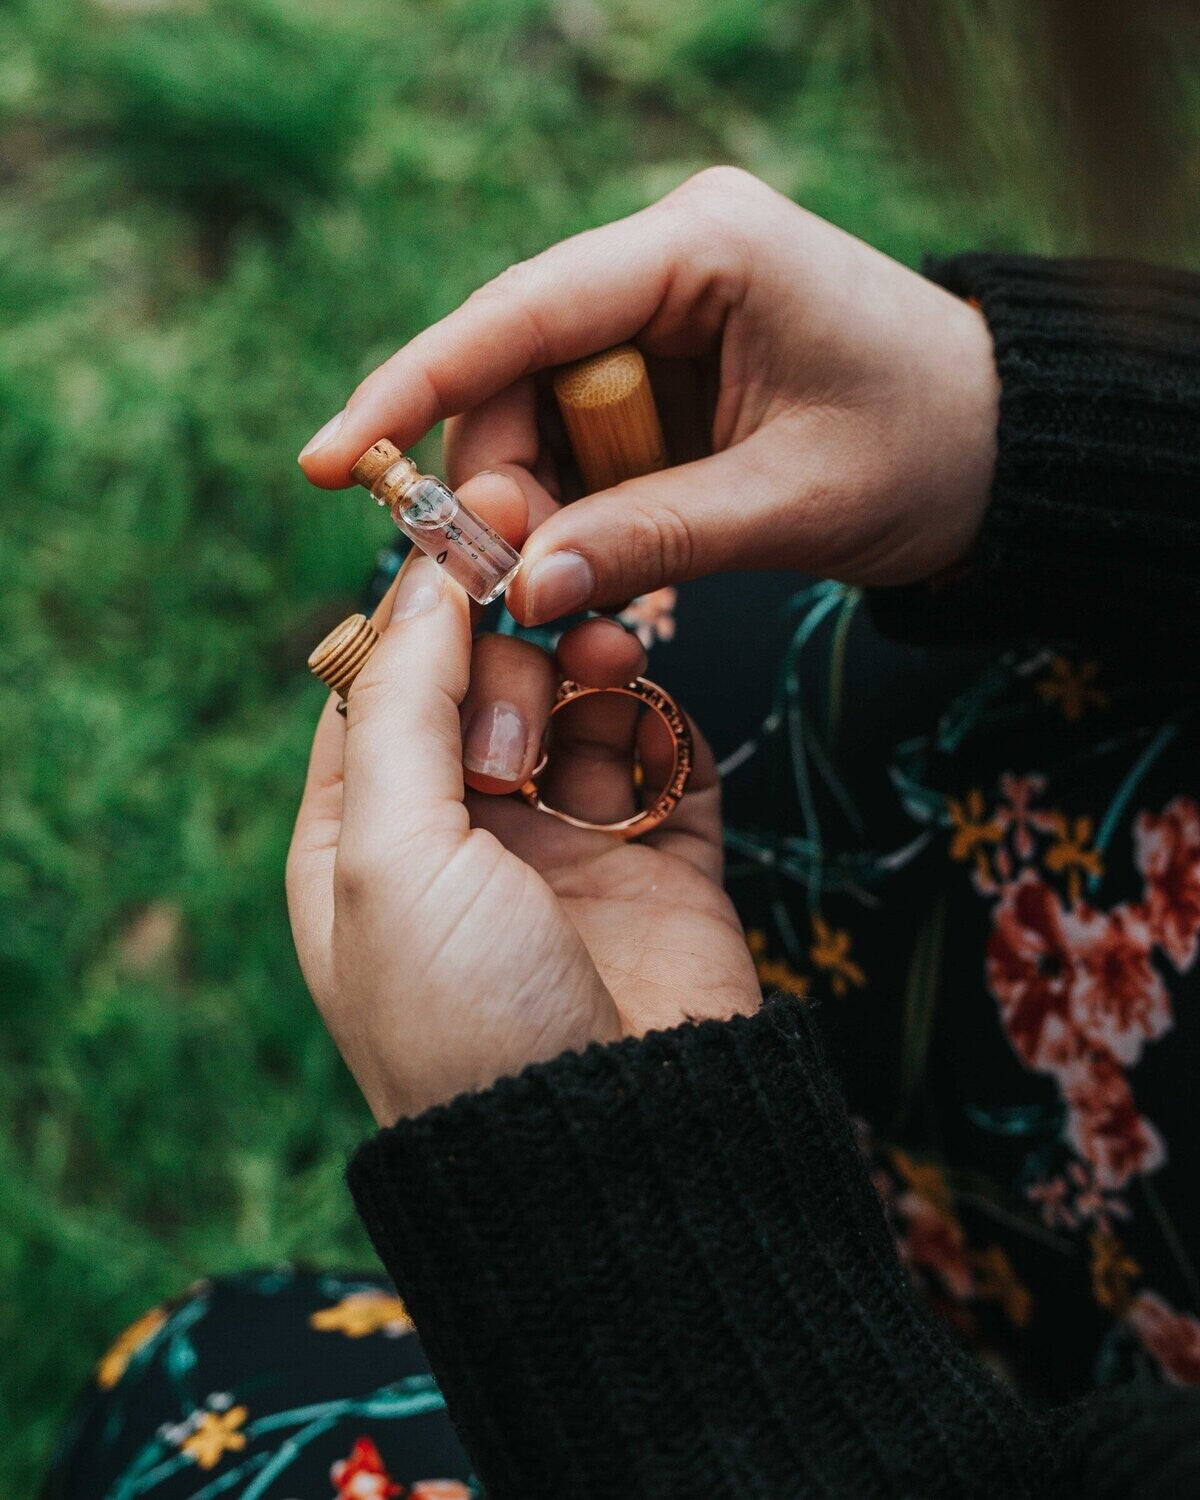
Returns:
<point x="402" y="767"/>
<point x="717" y="514"/>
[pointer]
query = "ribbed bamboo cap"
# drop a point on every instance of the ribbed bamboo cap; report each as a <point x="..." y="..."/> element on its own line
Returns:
<point x="343" y="653"/>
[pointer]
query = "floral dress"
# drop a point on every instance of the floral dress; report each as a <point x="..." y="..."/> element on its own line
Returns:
<point x="983" y="867"/>
<point x="987" y="877"/>
<point x="280" y="1384"/>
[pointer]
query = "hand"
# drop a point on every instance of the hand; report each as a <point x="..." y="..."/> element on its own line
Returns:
<point x="449" y="938"/>
<point x="853" y="430"/>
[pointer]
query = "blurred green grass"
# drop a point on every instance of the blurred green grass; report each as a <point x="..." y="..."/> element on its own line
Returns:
<point x="214" y="219"/>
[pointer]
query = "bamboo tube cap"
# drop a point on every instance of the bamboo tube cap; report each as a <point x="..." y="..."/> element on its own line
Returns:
<point x="608" y="408"/>
<point x="375" y="462"/>
<point x="341" y="656"/>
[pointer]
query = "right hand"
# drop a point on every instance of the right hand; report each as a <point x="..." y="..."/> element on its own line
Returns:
<point x="450" y="938"/>
<point x="853" y="432"/>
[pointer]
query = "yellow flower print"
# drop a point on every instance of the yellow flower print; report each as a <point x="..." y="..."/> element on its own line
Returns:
<point x="216" y="1434"/>
<point x="1113" y="1272"/>
<point x="362" y="1313"/>
<point x="1072" y="687"/>
<point x="775" y="973"/>
<point x="831" y="951"/>
<point x="972" y="830"/>
<point x="126" y="1345"/>
<point x="996" y="1280"/>
<point x="1070" y="855"/>
<point x="925" y="1178"/>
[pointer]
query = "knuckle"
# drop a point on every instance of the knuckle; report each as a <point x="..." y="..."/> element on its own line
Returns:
<point x="413" y="847"/>
<point x="357" y="874"/>
<point x="661" y="546"/>
<point x="491" y="647"/>
<point x="371" y="692"/>
<point x="718" y="213"/>
<point x="369" y="864"/>
<point x="504" y="668"/>
<point x="716" y="185"/>
<point x="366" y="384"/>
<point x="510" y="282"/>
<point x="504" y="652"/>
<point x="512" y="293"/>
<point x="405" y="845"/>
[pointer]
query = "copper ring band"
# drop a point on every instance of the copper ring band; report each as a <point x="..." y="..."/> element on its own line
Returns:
<point x="661" y="703"/>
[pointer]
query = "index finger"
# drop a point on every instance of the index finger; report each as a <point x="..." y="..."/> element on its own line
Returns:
<point x="584" y="294"/>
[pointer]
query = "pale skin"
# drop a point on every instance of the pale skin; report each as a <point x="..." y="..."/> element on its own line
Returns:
<point x="451" y="935"/>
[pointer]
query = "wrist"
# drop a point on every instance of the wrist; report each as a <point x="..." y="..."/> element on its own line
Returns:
<point x="490" y="1039"/>
<point x="974" y="386"/>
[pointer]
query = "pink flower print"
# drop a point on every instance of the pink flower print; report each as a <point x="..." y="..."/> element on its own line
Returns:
<point x="1103" y="1122"/>
<point x="1172" y="1338"/>
<point x="1167" y="852"/>
<point x="1031" y="969"/>
<point x="1091" y="1205"/>
<point x="928" y="1235"/>
<point x="1118" y="1001"/>
<point x="933" y="1241"/>
<point x="1071" y="1199"/>
<point x="651" y="617"/>
<point x="1016" y="812"/>
<point x="1051" y="1197"/>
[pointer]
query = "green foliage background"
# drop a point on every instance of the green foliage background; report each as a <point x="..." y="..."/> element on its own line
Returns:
<point x="215" y="217"/>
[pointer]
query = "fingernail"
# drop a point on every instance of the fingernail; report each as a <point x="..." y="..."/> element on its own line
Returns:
<point x="559" y="584"/>
<point x="494" y="742"/>
<point x="419" y="589"/>
<point x="323" y="435"/>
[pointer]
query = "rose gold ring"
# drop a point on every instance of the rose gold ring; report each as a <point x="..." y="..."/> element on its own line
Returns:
<point x="668" y="799"/>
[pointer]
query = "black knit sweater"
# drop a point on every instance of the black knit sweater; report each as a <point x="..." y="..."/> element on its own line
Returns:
<point x="1093" y="531"/>
<point x="659" y="1268"/>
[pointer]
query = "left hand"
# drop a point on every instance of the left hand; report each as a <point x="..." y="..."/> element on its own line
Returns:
<point x="827" y="409"/>
<point x="449" y="936"/>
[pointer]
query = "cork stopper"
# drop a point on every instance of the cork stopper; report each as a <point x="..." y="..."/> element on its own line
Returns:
<point x="610" y="416"/>
<point x="343" y="653"/>
<point x="375" y="462"/>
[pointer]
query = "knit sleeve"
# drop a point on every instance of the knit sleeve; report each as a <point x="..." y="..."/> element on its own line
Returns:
<point x="1134" y="1442"/>
<point x="659" y="1269"/>
<point x="1092" y="533"/>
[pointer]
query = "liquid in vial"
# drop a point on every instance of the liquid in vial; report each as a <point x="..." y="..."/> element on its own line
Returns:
<point x="436" y="520"/>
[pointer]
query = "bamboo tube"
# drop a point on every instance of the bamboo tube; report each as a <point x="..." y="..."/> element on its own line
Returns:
<point x="611" y="419"/>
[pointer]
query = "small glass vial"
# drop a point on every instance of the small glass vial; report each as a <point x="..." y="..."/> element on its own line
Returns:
<point x="436" y="520"/>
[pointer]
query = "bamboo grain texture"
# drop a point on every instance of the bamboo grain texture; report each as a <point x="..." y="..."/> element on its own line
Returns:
<point x="607" y="406"/>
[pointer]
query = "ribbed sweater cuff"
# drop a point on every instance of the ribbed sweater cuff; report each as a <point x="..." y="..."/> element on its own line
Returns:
<point x="1093" y="530"/>
<point x="659" y="1268"/>
<point x="1134" y="1442"/>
